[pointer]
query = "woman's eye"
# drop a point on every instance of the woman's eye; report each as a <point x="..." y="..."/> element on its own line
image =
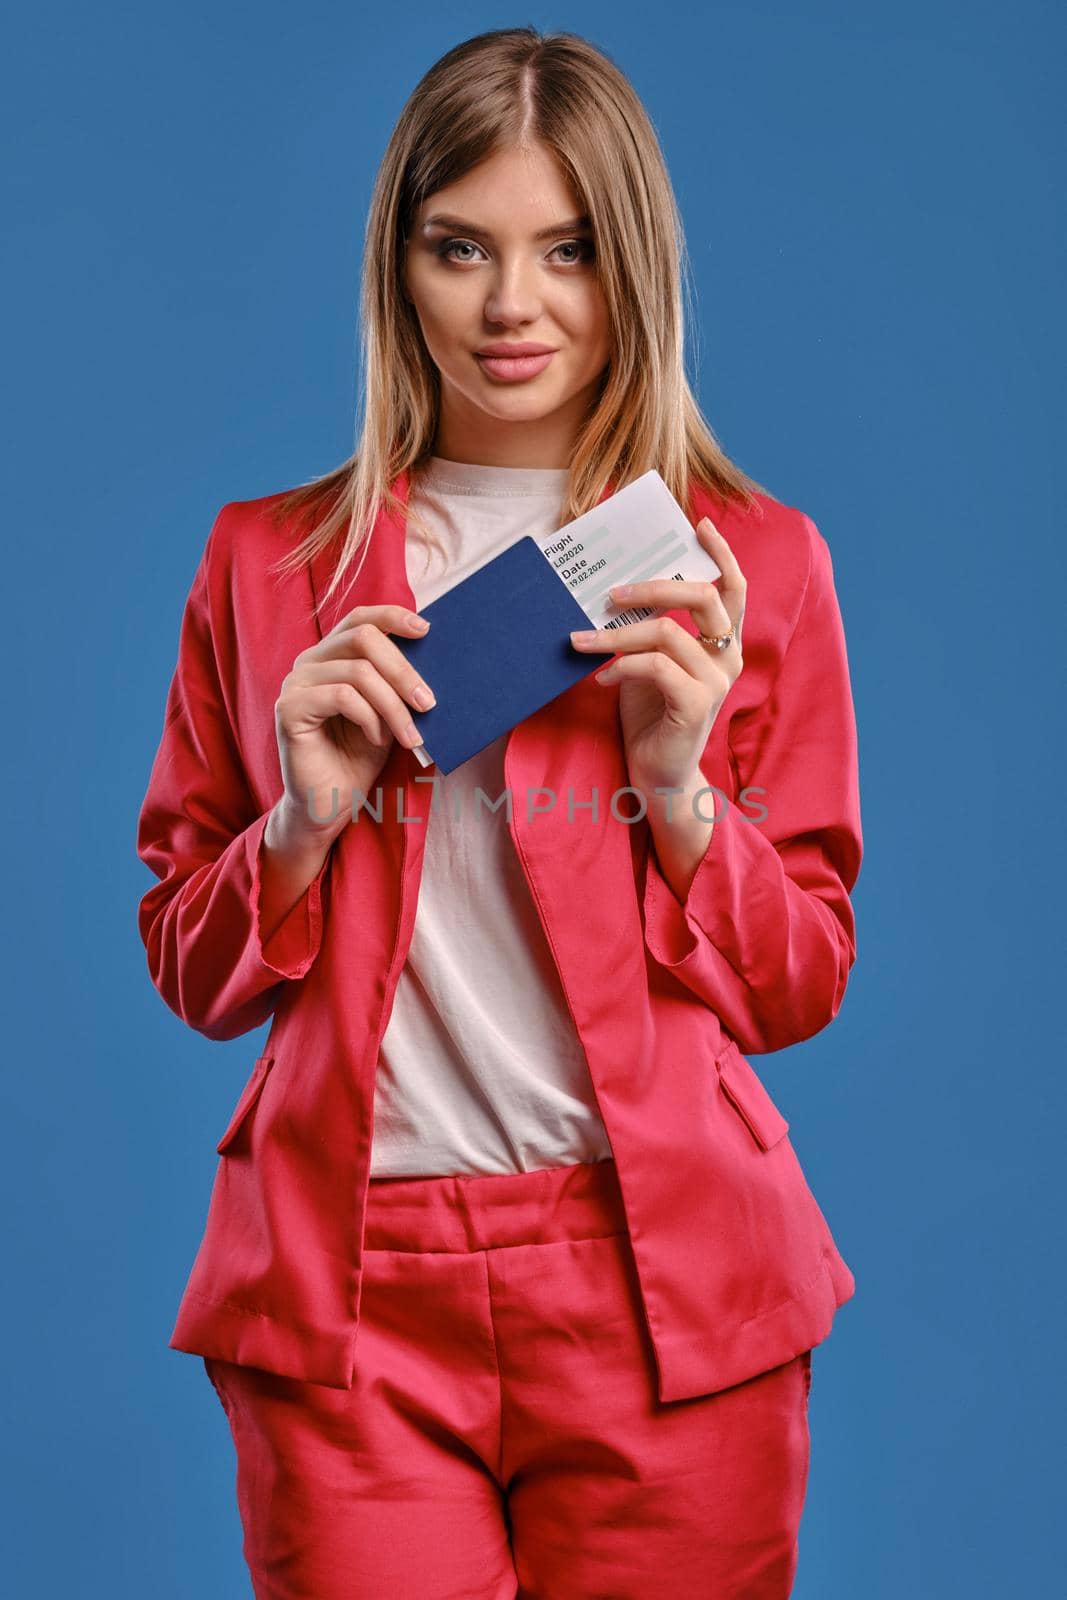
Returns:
<point x="449" y="245"/>
<point x="579" y="245"/>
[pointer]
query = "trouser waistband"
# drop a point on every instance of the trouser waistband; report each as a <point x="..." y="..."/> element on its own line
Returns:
<point x="483" y="1211"/>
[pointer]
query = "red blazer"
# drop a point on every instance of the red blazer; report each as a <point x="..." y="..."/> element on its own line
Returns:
<point x="738" y="1270"/>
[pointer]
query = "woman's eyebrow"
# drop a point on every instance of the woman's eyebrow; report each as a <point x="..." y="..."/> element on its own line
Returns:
<point x="569" y="225"/>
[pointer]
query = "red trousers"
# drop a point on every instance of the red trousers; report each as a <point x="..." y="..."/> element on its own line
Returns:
<point x="503" y="1439"/>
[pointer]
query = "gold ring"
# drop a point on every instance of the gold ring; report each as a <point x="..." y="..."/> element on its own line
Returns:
<point x="719" y="640"/>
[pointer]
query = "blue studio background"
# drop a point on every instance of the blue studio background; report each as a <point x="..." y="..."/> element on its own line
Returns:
<point x="870" y="202"/>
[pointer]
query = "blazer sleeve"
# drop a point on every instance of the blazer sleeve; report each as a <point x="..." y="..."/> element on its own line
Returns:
<point x="200" y="831"/>
<point x="766" y="936"/>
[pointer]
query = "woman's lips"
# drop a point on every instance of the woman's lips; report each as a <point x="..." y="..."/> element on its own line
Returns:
<point x="513" y="369"/>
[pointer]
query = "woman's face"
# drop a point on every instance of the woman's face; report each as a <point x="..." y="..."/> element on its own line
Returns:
<point x="497" y="259"/>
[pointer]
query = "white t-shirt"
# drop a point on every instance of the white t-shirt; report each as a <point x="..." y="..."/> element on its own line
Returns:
<point x="480" y="1068"/>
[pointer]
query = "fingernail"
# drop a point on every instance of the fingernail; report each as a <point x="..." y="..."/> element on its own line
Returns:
<point x="622" y="591"/>
<point x="580" y="637"/>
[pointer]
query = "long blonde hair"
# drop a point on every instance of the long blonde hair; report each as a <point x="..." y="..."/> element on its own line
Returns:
<point x="493" y="92"/>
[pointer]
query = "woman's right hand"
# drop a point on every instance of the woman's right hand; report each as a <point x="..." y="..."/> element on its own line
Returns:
<point x="338" y="712"/>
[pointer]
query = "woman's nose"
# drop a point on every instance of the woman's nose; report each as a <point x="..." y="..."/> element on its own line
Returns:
<point x="514" y="295"/>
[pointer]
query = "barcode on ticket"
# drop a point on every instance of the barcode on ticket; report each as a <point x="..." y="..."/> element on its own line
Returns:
<point x="640" y="612"/>
<point x="629" y="616"/>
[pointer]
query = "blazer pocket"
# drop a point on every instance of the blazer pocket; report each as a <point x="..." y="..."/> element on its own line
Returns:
<point x="742" y="1087"/>
<point x="249" y="1095"/>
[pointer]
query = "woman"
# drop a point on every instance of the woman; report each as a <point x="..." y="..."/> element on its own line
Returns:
<point x="511" y="1276"/>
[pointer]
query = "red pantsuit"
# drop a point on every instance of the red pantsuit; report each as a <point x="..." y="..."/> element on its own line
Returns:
<point x="723" y="1272"/>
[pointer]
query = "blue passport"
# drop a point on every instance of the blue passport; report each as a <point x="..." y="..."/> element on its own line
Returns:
<point x="498" y="649"/>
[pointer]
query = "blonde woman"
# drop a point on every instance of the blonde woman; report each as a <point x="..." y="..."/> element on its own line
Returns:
<point x="511" y="1276"/>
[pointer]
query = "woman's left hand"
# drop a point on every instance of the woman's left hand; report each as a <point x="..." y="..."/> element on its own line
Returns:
<point x="672" y="687"/>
